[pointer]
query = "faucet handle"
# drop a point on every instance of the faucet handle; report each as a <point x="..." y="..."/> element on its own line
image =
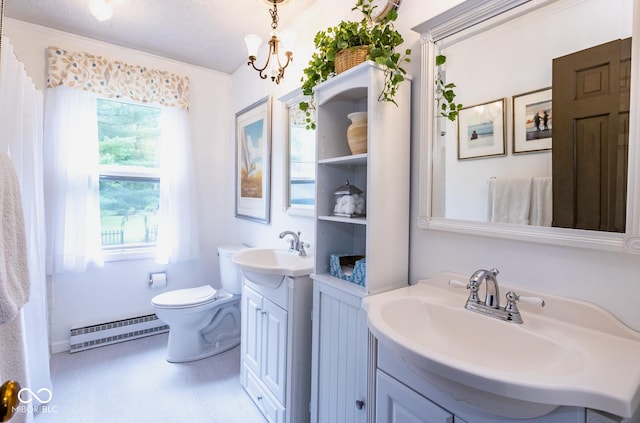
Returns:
<point x="532" y="300"/>
<point x="512" y="297"/>
<point x="454" y="283"/>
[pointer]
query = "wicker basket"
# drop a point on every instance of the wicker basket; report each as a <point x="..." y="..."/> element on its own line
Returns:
<point x="349" y="57"/>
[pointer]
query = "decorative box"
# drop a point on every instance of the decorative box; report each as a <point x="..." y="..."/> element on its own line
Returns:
<point x="350" y="268"/>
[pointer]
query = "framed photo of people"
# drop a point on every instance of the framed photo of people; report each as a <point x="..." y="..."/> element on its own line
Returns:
<point x="532" y="121"/>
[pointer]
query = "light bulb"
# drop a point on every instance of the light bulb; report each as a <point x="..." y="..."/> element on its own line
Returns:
<point x="102" y="10"/>
<point x="287" y="40"/>
<point x="253" y="42"/>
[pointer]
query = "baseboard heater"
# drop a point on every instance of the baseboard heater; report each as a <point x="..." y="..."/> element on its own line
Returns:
<point x="87" y="337"/>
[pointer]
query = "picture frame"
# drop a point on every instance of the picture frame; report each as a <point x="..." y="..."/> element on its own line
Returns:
<point x="253" y="161"/>
<point x="532" y="121"/>
<point x="481" y="130"/>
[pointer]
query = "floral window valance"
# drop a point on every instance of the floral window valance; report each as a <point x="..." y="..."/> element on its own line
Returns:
<point x="115" y="79"/>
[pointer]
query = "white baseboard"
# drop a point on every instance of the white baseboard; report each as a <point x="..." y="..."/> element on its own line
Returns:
<point x="61" y="346"/>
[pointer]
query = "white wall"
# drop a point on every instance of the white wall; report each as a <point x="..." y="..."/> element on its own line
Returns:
<point x="119" y="290"/>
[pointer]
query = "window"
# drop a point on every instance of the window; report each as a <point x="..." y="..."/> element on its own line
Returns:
<point x="129" y="141"/>
<point x="302" y="157"/>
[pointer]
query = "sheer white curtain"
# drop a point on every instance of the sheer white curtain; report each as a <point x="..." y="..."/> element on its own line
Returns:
<point x="177" y="220"/>
<point x="71" y="180"/>
<point x="21" y="117"/>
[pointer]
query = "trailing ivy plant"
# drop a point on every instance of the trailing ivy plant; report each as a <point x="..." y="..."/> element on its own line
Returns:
<point x="445" y="94"/>
<point x="381" y="37"/>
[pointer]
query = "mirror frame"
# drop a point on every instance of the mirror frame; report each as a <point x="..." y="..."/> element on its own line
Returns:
<point x="289" y="100"/>
<point x="461" y="17"/>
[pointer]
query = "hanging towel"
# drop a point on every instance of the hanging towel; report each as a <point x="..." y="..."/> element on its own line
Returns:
<point x="509" y="200"/>
<point x="541" y="201"/>
<point x="14" y="271"/>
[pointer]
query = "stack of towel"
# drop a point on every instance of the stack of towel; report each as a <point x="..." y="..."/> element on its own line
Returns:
<point x="524" y="201"/>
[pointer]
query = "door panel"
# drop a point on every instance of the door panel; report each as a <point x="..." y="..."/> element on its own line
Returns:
<point x="252" y="303"/>
<point x="274" y="355"/>
<point x="590" y="137"/>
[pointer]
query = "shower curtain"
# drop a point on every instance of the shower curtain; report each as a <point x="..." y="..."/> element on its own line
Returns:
<point x="21" y="123"/>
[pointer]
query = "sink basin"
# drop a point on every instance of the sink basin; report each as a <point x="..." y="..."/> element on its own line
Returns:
<point x="570" y="353"/>
<point x="269" y="267"/>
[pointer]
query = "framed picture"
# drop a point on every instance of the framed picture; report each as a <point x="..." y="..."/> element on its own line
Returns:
<point x="532" y="121"/>
<point x="481" y="131"/>
<point x="253" y="161"/>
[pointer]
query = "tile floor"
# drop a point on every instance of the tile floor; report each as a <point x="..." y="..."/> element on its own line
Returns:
<point x="132" y="382"/>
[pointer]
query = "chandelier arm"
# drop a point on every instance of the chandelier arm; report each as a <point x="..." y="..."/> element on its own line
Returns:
<point x="251" y="62"/>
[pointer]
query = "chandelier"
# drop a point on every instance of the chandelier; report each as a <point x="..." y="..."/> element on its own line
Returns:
<point x="274" y="67"/>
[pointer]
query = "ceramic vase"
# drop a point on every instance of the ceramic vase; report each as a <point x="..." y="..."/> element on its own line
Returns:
<point x="357" y="132"/>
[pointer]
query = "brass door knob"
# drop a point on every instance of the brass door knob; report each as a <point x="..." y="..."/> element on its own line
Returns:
<point x="8" y="399"/>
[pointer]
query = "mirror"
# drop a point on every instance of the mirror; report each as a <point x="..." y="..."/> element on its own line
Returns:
<point x="300" y="158"/>
<point x="490" y="50"/>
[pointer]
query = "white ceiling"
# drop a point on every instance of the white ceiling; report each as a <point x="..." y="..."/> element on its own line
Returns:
<point x="208" y="33"/>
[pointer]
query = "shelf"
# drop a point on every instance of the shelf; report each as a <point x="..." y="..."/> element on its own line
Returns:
<point x="352" y="159"/>
<point x="352" y="220"/>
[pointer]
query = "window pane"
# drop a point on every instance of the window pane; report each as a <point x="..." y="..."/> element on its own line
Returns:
<point x="128" y="134"/>
<point x="128" y="138"/>
<point x="129" y="210"/>
<point x="302" y="156"/>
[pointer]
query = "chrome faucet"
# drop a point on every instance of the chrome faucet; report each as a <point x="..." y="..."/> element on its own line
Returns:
<point x="491" y="304"/>
<point x="295" y="245"/>
<point x="492" y="296"/>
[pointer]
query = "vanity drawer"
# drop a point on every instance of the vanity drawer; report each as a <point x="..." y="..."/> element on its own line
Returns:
<point x="267" y="404"/>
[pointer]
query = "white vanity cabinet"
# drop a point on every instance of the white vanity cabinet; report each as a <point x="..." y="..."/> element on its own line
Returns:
<point x="397" y="403"/>
<point x="403" y="396"/>
<point x="276" y="348"/>
<point x="341" y="354"/>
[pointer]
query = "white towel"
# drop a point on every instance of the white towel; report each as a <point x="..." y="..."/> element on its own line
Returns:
<point x="14" y="272"/>
<point x="541" y="201"/>
<point x="509" y="200"/>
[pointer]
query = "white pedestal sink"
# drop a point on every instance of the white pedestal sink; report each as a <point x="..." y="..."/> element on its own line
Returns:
<point x="569" y="353"/>
<point x="268" y="267"/>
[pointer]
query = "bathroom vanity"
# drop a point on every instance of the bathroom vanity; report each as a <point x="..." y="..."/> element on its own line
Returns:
<point x="566" y="361"/>
<point x="276" y="347"/>
<point x="402" y="396"/>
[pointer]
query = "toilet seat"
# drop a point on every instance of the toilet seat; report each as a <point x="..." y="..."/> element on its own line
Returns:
<point x="189" y="297"/>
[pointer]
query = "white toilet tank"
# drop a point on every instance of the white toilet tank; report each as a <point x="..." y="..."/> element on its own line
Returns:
<point x="230" y="276"/>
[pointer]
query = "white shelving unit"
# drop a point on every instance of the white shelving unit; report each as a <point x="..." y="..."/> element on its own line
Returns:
<point x="382" y="173"/>
<point x="341" y="347"/>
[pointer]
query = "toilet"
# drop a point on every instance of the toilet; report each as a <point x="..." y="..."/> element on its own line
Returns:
<point x="203" y="321"/>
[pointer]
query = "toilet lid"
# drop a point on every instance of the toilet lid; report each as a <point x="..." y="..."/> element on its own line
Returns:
<point x="185" y="297"/>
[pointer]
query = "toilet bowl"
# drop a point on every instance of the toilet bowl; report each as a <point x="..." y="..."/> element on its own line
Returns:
<point x="203" y="321"/>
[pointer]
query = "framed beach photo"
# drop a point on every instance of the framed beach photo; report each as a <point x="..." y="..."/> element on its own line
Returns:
<point x="481" y="131"/>
<point x="253" y="161"/>
<point x="532" y="121"/>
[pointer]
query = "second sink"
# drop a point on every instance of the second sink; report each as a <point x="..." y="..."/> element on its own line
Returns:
<point x="268" y="266"/>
